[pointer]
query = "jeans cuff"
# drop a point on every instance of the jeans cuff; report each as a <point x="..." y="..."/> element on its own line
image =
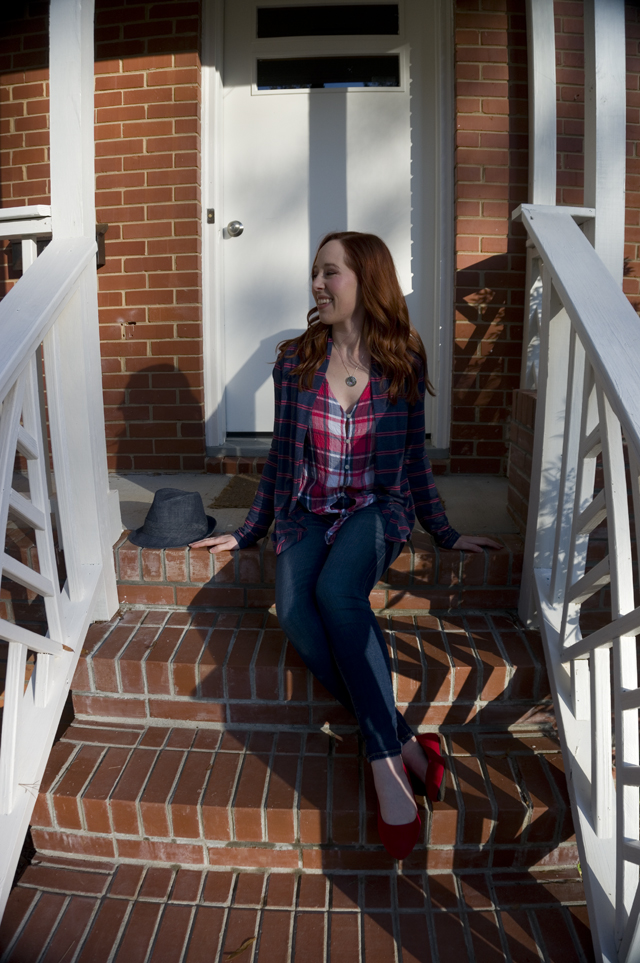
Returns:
<point x="383" y="754"/>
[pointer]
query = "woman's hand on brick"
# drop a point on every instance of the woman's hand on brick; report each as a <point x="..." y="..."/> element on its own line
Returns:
<point x="474" y="543"/>
<point x="219" y="543"/>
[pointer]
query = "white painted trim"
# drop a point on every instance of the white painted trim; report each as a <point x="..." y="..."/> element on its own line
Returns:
<point x="212" y="275"/>
<point x="442" y="267"/>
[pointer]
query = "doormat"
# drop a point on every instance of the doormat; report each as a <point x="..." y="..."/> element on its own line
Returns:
<point x="239" y="493"/>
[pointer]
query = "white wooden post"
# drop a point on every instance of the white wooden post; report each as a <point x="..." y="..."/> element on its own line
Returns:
<point x="74" y="380"/>
<point x="541" y="51"/>
<point x="605" y="128"/>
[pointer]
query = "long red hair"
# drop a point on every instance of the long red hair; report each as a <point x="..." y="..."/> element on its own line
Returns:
<point x="393" y="343"/>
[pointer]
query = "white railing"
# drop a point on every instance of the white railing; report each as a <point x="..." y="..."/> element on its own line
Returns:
<point x="49" y="337"/>
<point x="588" y="406"/>
<point x="581" y="354"/>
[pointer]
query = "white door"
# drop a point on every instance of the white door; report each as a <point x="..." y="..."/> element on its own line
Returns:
<point x="318" y="133"/>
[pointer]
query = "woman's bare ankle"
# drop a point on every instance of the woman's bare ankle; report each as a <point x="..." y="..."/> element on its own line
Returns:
<point x="414" y="757"/>
<point x="397" y="805"/>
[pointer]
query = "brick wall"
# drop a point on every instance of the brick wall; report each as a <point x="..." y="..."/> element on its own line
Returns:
<point x="491" y="180"/>
<point x="148" y="191"/>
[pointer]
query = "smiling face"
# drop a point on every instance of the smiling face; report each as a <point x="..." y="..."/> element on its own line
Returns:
<point x="335" y="287"/>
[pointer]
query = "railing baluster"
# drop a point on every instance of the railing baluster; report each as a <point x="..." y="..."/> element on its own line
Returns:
<point x="602" y="808"/>
<point x="29" y="252"/>
<point x="547" y="454"/>
<point x="585" y="469"/>
<point x="568" y="476"/>
<point x="13" y="696"/>
<point x="533" y="321"/>
<point x="581" y="689"/>
<point x="38" y="474"/>
<point x="9" y="429"/>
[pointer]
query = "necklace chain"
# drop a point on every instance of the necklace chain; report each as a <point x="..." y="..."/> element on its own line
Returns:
<point x="351" y="379"/>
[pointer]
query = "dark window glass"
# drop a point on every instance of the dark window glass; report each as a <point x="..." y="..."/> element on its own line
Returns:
<point x="347" y="19"/>
<point x="317" y="72"/>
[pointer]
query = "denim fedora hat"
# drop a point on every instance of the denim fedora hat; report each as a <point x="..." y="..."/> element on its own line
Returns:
<point x="175" y="519"/>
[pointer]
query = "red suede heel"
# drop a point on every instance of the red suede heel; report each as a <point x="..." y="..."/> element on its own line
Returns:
<point x="398" y="840"/>
<point x="434" y="788"/>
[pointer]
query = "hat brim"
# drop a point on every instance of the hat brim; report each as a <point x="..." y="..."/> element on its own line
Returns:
<point x="139" y="538"/>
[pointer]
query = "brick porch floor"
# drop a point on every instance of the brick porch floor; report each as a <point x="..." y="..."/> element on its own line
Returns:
<point x="91" y="912"/>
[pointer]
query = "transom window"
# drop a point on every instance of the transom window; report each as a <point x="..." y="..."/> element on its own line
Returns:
<point x="329" y="20"/>
<point x="313" y="73"/>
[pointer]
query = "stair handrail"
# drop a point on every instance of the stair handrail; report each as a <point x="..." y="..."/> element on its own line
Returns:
<point x="51" y="415"/>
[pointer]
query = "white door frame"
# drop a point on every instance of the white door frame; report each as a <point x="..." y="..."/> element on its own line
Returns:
<point x="438" y="207"/>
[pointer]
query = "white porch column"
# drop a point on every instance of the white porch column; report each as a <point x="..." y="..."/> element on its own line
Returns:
<point x="605" y="103"/>
<point x="74" y="380"/>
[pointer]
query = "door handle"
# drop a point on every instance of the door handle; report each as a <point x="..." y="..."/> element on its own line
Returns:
<point x="235" y="228"/>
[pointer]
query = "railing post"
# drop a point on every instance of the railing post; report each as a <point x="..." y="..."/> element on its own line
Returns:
<point x="605" y="129"/>
<point x="72" y="350"/>
<point x="541" y="49"/>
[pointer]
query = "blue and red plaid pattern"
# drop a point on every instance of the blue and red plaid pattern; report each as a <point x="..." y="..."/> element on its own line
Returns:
<point x="339" y="458"/>
<point x="404" y="482"/>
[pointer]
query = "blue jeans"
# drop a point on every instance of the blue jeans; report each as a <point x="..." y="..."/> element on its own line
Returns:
<point x="322" y="601"/>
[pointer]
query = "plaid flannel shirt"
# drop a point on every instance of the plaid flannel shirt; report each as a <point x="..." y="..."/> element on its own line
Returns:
<point x="404" y="482"/>
<point x="339" y="470"/>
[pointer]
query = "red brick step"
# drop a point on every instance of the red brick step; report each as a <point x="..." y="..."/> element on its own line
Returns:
<point x="250" y="798"/>
<point x="236" y="668"/>
<point x="423" y="577"/>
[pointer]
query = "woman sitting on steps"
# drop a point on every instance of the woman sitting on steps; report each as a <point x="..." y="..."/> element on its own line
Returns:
<point x="346" y="471"/>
